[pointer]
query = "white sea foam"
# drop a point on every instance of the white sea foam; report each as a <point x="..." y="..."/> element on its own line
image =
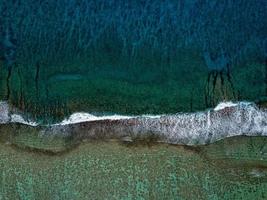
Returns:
<point x="224" y="105"/>
<point x="203" y="127"/>
<point x="228" y="104"/>
<point x="152" y="116"/>
<point x="86" y="117"/>
<point x="243" y="118"/>
<point x="15" y="118"/>
<point x="6" y="117"/>
<point x="4" y="112"/>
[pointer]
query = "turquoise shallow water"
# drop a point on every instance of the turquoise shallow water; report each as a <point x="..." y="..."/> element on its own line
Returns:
<point x="233" y="168"/>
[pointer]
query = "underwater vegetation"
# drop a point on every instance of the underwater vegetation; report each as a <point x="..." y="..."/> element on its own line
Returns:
<point x="133" y="57"/>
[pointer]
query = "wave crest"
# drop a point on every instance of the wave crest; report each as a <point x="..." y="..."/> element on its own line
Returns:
<point x="226" y="120"/>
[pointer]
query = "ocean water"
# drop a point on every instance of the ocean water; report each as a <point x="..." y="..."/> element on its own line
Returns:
<point x="115" y="99"/>
<point x="130" y="57"/>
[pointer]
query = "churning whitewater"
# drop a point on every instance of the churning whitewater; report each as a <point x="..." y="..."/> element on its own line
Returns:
<point x="227" y="119"/>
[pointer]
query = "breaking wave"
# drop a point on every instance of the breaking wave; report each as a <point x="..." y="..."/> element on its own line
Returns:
<point x="6" y="117"/>
<point x="227" y="119"/>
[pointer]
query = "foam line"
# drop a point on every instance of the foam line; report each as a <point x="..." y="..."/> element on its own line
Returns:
<point x="226" y="120"/>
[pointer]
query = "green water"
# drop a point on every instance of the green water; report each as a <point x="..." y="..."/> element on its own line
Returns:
<point x="179" y="88"/>
<point x="234" y="168"/>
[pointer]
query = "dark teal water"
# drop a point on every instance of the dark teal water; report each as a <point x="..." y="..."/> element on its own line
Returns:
<point x="133" y="57"/>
